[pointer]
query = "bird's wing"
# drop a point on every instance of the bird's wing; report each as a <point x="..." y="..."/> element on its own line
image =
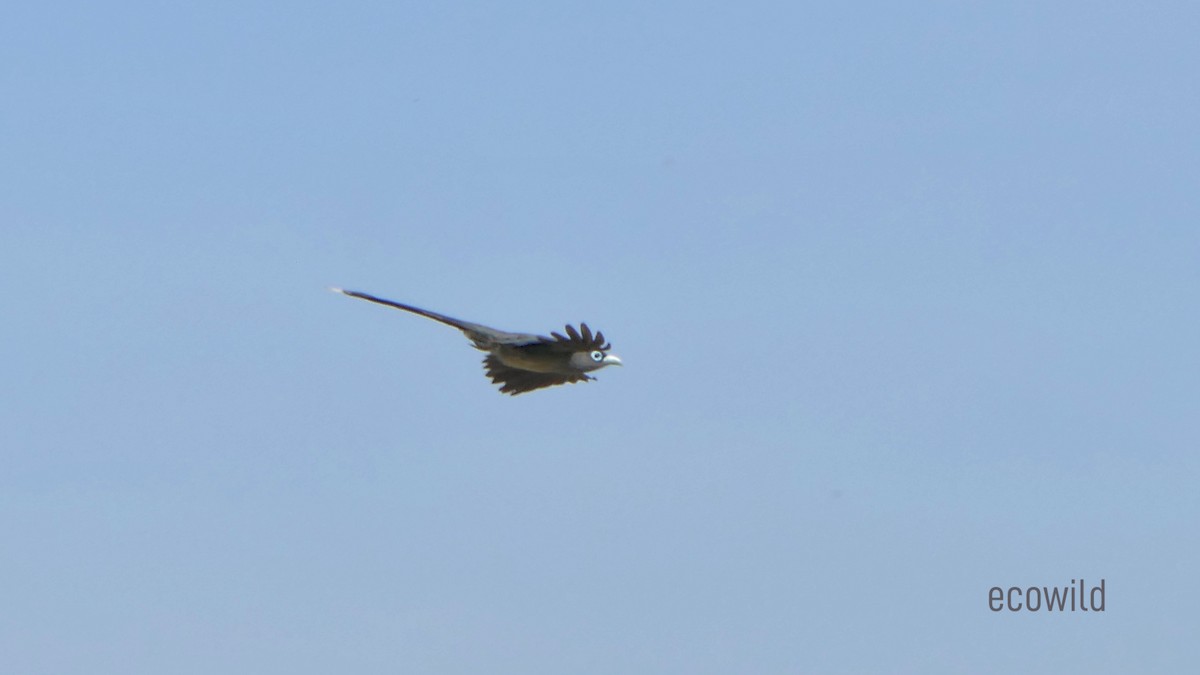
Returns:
<point x="482" y="336"/>
<point x="515" y="381"/>
<point x="581" y="340"/>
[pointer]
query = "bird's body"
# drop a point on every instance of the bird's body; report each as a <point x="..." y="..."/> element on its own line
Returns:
<point x="521" y="362"/>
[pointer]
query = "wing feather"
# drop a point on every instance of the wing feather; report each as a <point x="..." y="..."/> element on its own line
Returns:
<point x="515" y="381"/>
<point x="579" y="340"/>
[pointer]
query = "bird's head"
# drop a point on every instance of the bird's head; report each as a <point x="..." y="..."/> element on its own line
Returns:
<point x="593" y="360"/>
<point x="588" y="352"/>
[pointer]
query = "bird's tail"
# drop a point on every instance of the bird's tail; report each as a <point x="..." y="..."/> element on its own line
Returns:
<point x="441" y="318"/>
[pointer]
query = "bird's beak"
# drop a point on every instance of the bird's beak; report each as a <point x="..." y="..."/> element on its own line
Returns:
<point x="612" y="360"/>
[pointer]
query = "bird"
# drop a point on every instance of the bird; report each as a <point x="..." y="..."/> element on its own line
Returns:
<point x="523" y="362"/>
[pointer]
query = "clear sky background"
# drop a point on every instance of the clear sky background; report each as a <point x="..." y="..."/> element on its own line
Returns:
<point x="907" y="295"/>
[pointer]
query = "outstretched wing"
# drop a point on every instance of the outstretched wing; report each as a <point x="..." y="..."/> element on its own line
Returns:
<point x="581" y="340"/>
<point x="515" y="381"/>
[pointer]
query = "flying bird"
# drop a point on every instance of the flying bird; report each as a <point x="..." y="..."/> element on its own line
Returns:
<point x="521" y="362"/>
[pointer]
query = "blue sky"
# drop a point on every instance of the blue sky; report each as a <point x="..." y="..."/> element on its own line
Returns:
<point x="906" y="296"/>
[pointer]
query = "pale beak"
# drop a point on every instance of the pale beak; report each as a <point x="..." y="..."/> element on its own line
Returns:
<point x="612" y="360"/>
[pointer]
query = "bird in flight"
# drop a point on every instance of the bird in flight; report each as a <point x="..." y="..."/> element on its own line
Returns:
<point x="521" y="362"/>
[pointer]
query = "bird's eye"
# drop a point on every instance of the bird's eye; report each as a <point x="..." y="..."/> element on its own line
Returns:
<point x="597" y="356"/>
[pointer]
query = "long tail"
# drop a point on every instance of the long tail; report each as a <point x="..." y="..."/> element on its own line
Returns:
<point x="442" y="318"/>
